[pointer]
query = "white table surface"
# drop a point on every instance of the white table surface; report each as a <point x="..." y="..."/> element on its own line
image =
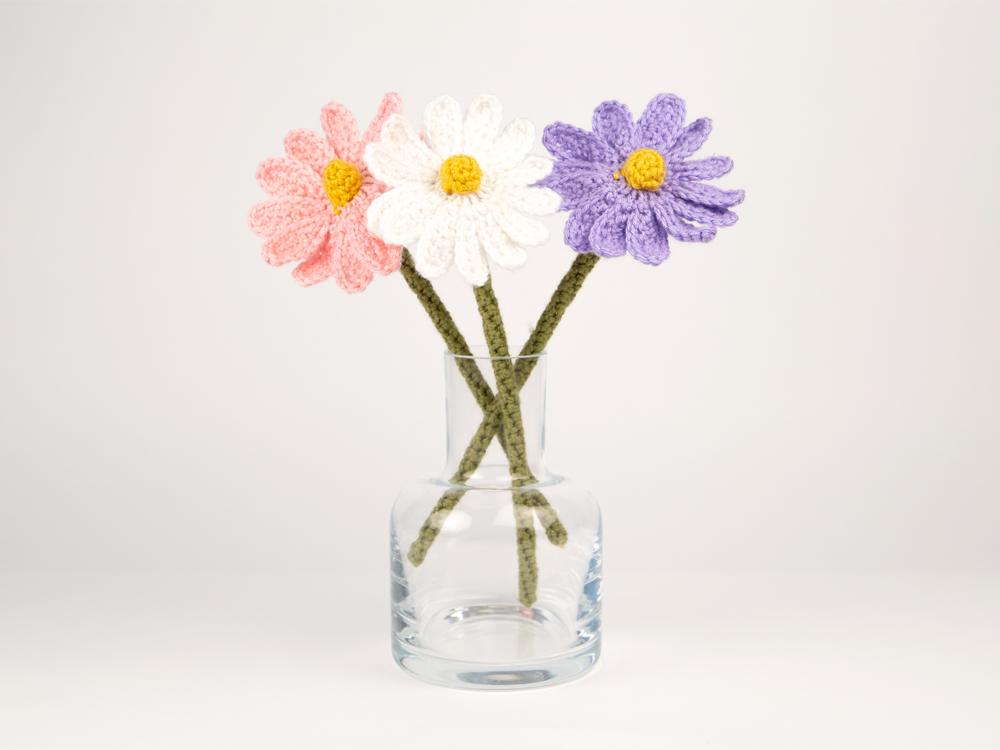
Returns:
<point x="150" y="661"/>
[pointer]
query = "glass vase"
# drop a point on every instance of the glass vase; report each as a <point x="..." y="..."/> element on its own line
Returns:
<point x="495" y="576"/>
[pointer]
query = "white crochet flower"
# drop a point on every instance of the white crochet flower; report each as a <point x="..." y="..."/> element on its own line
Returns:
<point x="461" y="193"/>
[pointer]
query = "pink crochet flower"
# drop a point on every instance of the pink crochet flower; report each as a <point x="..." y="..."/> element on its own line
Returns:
<point x="320" y="193"/>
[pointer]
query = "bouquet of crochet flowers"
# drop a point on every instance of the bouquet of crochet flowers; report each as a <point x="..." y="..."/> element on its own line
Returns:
<point x="467" y="191"/>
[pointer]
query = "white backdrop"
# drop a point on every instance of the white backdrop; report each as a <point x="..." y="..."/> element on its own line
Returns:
<point x="793" y="431"/>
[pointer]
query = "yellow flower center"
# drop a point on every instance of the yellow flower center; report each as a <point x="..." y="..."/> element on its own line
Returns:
<point x="341" y="181"/>
<point x="644" y="169"/>
<point x="460" y="175"/>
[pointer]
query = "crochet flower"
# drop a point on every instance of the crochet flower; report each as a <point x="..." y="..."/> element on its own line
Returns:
<point x="320" y="193"/>
<point x="630" y="185"/>
<point x="462" y="193"/>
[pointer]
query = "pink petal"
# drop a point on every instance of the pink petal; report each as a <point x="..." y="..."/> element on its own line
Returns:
<point x="349" y="271"/>
<point x="309" y="148"/>
<point x="273" y="217"/>
<point x="370" y="190"/>
<point x="316" y="268"/>
<point x="341" y="132"/>
<point x="297" y="242"/>
<point x="374" y="253"/>
<point x="285" y="177"/>
<point x="391" y="103"/>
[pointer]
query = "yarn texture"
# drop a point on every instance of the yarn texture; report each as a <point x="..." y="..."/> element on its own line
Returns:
<point x="565" y="293"/>
<point x="461" y="175"/>
<point x="467" y="193"/>
<point x="341" y="181"/>
<point x="319" y="193"/>
<point x="509" y="406"/>
<point x="629" y="185"/>
<point x="456" y="343"/>
<point x="462" y="195"/>
<point x="644" y="169"/>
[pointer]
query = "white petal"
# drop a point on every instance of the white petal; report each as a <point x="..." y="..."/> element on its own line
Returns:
<point x="435" y="252"/>
<point x="481" y="125"/>
<point x="469" y="257"/>
<point x="373" y="214"/>
<point x="534" y="201"/>
<point x="398" y="216"/>
<point x="499" y="247"/>
<point x="396" y="172"/>
<point x="521" y="229"/>
<point x="512" y="145"/>
<point x="528" y="172"/>
<point x="400" y="155"/>
<point x="443" y="125"/>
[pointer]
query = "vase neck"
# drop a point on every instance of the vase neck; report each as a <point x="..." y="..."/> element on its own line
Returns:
<point x="470" y="389"/>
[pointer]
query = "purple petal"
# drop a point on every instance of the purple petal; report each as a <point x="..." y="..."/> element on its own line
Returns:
<point x="576" y="185"/>
<point x="702" y="169"/>
<point x="570" y="142"/>
<point x="581" y="221"/>
<point x="713" y="217"/>
<point x="613" y="123"/>
<point x="607" y="236"/>
<point x="677" y="227"/>
<point x="661" y="122"/>
<point x="690" y="139"/>
<point x="706" y="195"/>
<point x="565" y="167"/>
<point x="645" y="239"/>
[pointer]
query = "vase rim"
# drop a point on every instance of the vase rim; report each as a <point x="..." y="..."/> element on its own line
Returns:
<point x="484" y="356"/>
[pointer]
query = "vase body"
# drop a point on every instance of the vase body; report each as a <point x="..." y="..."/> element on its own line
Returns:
<point x="491" y="591"/>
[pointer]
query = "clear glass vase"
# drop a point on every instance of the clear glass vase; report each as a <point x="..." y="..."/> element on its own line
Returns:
<point x="496" y="576"/>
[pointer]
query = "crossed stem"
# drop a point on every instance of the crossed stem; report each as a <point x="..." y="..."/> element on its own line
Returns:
<point x="563" y="296"/>
<point x="513" y="429"/>
<point x="456" y="343"/>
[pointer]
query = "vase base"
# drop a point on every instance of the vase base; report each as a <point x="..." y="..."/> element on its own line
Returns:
<point x="497" y="647"/>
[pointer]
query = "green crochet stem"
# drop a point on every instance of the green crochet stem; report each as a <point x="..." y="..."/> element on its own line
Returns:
<point x="513" y="428"/>
<point x="445" y="325"/>
<point x="561" y="299"/>
<point x="456" y="343"/>
<point x="527" y="564"/>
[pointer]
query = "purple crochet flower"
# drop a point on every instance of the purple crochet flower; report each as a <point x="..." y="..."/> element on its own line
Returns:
<point x="629" y="185"/>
